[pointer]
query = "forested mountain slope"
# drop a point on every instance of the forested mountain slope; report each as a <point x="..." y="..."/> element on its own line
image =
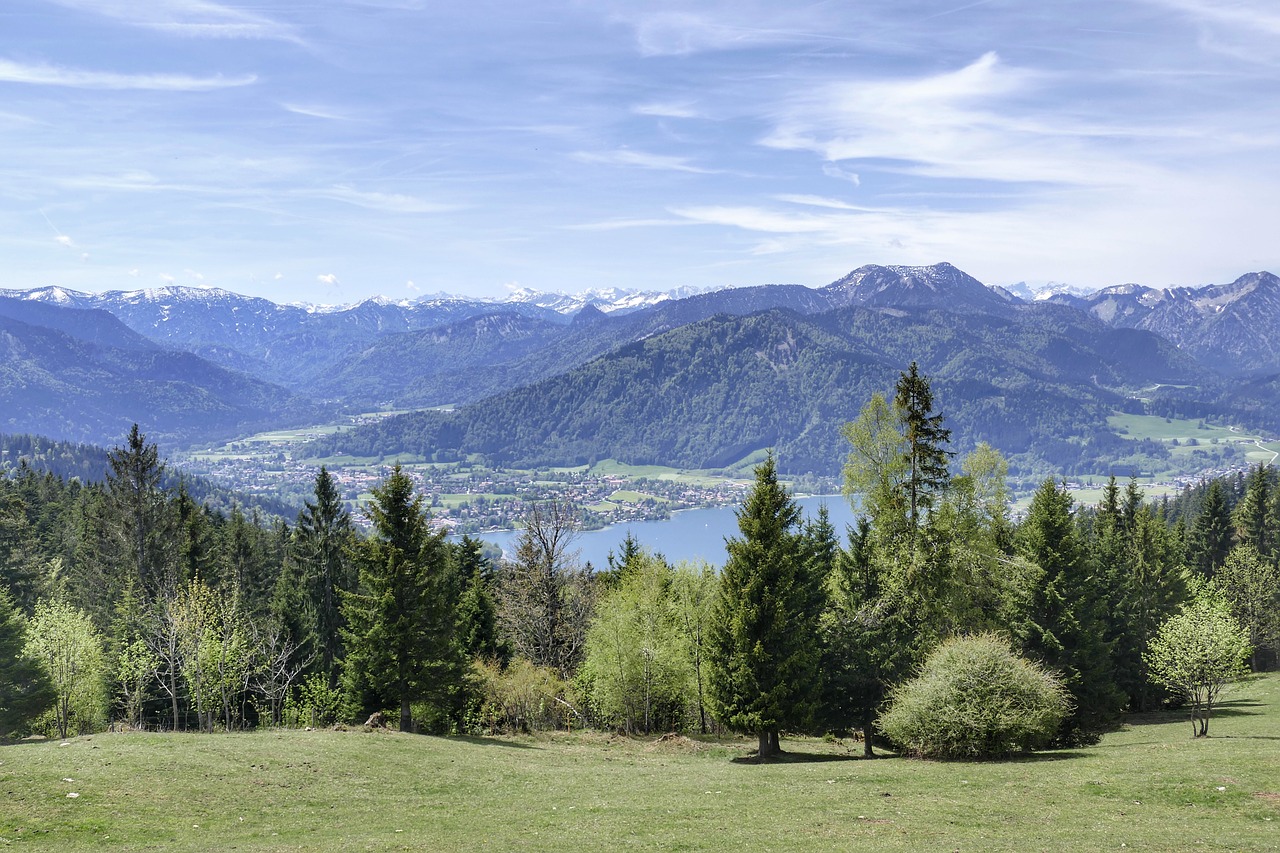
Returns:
<point x="1038" y="384"/>
<point x="55" y="384"/>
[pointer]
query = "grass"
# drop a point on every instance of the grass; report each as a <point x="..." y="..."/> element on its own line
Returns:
<point x="1147" y="787"/>
<point x="1167" y="429"/>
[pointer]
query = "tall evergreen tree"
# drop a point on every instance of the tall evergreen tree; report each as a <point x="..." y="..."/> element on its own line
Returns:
<point x="1252" y="514"/>
<point x="322" y="548"/>
<point x="1068" y="632"/>
<point x="400" y="647"/>
<point x="925" y="454"/>
<point x="140" y="513"/>
<point x="1211" y="535"/>
<point x="25" y="688"/>
<point x="765" y="656"/>
<point x="477" y="614"/>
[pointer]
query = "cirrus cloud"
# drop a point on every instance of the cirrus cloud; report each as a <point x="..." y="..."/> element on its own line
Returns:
<point x="53" y="75"/>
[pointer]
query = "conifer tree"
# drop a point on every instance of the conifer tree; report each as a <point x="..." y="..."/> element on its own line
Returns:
<point x="320" y="557"/>
<point x="1252" y="514"/>
<point x="1211" y="534"/>
<point x="477" y="614"/>
<point x="25" y="688"/>
<point x="925" y="453"/>
<point x="764" y="675"/>
<point x="140" y="514"/>
<point x="400" y="645"/>
<point x="1067" y="631"/>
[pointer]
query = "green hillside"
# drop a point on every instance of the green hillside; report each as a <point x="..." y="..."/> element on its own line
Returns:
<point x="1149" y="786"/>
<point x="1039" y="385"/>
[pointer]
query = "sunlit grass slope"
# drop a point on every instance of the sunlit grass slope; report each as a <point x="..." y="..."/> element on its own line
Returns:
<point x="1147" y="787"/>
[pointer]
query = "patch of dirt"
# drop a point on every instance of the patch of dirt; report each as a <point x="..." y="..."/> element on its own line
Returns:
<point x="1269" y="797"/>
<point x="672" y="742"/>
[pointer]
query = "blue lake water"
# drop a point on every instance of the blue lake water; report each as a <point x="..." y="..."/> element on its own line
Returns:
<point x="691" y="534"/>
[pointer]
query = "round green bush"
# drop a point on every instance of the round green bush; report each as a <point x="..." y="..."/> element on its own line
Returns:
<point x="975" y="698"/>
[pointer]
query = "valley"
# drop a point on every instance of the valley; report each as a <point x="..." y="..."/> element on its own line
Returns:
<point x="633" y="404"/>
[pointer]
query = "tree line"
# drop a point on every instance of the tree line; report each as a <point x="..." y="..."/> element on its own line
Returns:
<point x="129" y="603"/>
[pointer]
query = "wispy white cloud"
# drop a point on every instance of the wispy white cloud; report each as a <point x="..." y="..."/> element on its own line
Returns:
<point x="1255" y="16"/>
<point x="831" y="170"/>
<point x="52" y="75"/>
<point x="327" y="278"/>
<point x="978" y="122"/>
<point x="318" y="111"/>
<point x="667" y="109"/>
<point x="622" y="224"/>
<point x="642" y="159"/>
<point x="722" y="27"/>
<point x="1244" y="30"/>
<point x="817" y="201"/>
<point x="386" y="202"/>
<point x="188" y="18"/>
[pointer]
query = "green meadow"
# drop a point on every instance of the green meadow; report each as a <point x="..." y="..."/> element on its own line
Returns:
<point x="1148" y="786"/>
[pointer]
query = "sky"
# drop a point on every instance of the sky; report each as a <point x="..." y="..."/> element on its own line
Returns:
<point x="328" y="152"/>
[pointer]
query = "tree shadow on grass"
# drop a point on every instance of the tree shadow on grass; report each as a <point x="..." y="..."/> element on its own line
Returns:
<point x="800" y="758"/>
<point x="1230" y="708"/>
<point x="476" y="740"/>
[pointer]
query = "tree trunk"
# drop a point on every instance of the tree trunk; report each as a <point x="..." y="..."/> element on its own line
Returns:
<point x="406" y="715"/>
<point x="765" y="749"/>
<point x="869" y="735"/>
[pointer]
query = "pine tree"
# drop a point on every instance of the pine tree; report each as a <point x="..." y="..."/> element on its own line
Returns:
<point x="400" y="647"/>
<point x="765" y="654"/>
<point x="1211" y="534"/>
<point x="25" y="688"/>
<point x="322" y="547"/>
<point x="477" y="614"/>
<point x="1067" y="631"/>
<point x="1252" y="515"/>
<point x="140" y="513"/>
<point x="925" y="452"/>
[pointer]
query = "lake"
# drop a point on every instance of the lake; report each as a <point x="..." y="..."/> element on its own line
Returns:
<point x="690" y="534"/>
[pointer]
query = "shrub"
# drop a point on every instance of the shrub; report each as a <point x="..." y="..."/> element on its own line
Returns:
<point x="523" y="697"/>
<point x="975" y="698"/>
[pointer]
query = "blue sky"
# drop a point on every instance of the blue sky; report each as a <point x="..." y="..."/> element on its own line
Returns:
<point x="331" y="151"/>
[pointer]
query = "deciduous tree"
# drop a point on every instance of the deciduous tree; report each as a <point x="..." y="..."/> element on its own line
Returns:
<point x="65" y="642"/>
<point x="1198" y="652"/>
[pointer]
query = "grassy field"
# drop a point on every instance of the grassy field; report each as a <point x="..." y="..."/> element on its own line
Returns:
<point x="1167" y="429"/>
<point x="1147" y="787"/>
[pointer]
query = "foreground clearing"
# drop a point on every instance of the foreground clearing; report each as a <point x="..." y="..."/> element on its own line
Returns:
<point x="1148" y="787"/>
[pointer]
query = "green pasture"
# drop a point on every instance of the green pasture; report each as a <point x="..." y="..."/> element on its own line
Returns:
<point x="1149" y="786"/>
<point x="1166" y="429"/>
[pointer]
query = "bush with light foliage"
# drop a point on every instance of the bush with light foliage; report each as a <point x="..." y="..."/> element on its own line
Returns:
<point x="975" y="698"/>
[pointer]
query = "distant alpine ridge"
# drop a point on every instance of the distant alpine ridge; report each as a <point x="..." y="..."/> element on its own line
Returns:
<point x="693" y="373"/>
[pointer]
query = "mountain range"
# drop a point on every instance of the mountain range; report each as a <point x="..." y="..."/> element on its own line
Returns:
<point x="693" y="379"/>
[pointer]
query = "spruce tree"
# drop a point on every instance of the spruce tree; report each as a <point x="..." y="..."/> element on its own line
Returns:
<point x="400" y="645"/>
<point x="1211" y="534"/>
<point x="140" y="515"/>
<point x="321" y="554"/>
<point x="764" y="649"/>
<point x="25" y="688"/>
<point x="1252" y="514"/>
<point x="1067" y="631"/>
<point x="925" y="453"/>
